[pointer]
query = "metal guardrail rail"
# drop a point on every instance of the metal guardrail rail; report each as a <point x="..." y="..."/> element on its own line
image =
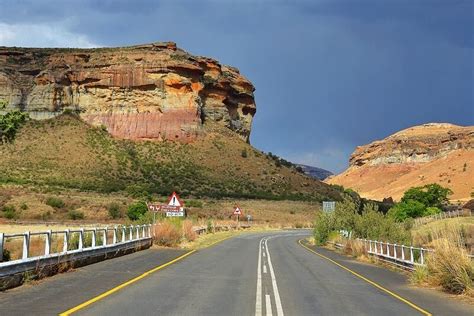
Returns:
<point x="100" y="238"/>
<point x="400" y="255"/>
<point x="407" y="257"/>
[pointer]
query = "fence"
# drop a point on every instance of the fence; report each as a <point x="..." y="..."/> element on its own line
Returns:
<point x="400" y="255"/>
<point x="73" y="241"/>
<point x="442" y="215"/>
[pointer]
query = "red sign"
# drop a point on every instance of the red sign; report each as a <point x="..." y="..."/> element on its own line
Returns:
<point x="170" y="208"/>
<point x="153" y="207"/>
<point x="237" y="211"/>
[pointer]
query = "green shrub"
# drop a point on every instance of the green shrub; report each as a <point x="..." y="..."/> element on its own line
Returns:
<point x="55" y="202"/>
<point x="429" y="195"/>
<point x="10" y="123"/>
<point x="194" y="203"/>
<point x="137" y="210"/>
<point x="9" y="212"/>
<point x="244" y="153"/>
<point x="114" y="211"/>
<point x="24" y="206"/>
<point x="75" y="215"/>
<point x="409" y="208"/>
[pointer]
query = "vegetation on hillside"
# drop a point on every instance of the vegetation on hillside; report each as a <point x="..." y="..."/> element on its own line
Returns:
<point x="10" y="122"/>
<point x="65" y="152"/>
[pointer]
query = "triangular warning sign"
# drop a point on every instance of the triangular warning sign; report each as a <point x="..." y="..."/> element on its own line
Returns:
<point x="237" y="211"/>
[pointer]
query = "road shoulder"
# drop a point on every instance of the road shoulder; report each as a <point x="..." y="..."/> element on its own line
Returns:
<point x="433" y="301"/>
<point x="58" y="293"/>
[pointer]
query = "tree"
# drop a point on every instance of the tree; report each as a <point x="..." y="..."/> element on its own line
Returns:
<point x="406" y="209"/>
<point x="430" y="195"/>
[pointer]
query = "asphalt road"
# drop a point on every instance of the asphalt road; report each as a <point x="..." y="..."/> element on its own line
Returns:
<point x="251" y="274"/>
<point x="259" y="274"/>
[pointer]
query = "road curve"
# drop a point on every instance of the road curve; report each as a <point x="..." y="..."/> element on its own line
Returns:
<point x="251" y="274"/>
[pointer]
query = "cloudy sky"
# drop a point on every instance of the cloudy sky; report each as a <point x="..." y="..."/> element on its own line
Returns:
<point x="330" y="74"/>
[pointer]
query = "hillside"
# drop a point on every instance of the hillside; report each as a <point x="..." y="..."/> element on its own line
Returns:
<point x="66" y="152"/>
<point x="430" y="153"/>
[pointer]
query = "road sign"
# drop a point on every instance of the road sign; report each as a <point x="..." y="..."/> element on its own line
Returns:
<point x="154" y="207"/>
<point x="329" y="206"/>
<point x="237" y="211"/>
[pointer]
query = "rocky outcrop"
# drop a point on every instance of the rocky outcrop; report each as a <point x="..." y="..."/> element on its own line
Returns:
<point x="430" y="153"/>
<point x="154" y="91"/>
<point x="422" y="143"/>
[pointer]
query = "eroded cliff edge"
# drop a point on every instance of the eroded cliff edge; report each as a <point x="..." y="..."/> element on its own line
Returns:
<point x="152" y="91"/>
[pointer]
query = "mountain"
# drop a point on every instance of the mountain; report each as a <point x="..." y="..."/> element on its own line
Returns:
<point x="430" y="153"/>
<point x="151" y="91"/>
<point x="315" y="172"/>
<point x="143" y="119"/>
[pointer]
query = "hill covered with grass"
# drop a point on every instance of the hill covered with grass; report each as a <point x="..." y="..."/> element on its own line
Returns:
<point x="65" y="152"/>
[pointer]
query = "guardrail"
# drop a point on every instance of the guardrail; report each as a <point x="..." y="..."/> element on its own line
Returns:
<point x="407" y="257"/>
<point x="442" y="215"/>
<point x="74" y="241"/>
<point x="400" y="255"/>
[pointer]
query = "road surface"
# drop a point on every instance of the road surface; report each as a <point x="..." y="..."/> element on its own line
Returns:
<point x="262" y="274"/>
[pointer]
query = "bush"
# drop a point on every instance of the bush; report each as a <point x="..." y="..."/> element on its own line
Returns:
<point x="10" y="123"/>
<point x="75" y="215"/>
<point x="370" y="224"/>
<point x="429" y="195"/>
<point x="137" y="210"/>
<point x="9" y="212"/>
<point x="55" y="202"/>
<point x="244" y="153"/>
<point x="167" y="234"/>
<point x="194" y="203"/>
<point x="188" y="232"/>
<point x="450" y="267"/>
<point x="407" y="209"/>
<point x="114" y="211"/>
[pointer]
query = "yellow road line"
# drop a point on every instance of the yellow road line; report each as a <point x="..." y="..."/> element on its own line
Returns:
<point x="421" y="310"/>
<point x="121" y="286"/>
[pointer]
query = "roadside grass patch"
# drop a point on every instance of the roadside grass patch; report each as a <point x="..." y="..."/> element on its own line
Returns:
<point x="450" y="267"/>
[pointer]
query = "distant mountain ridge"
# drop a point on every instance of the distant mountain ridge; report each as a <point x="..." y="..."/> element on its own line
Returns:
<point x="315" y="172"/>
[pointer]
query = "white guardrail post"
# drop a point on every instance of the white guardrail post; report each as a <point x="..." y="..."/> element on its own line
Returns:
<point x="26" y="245"/>
<point x="81" y="239"/>
<point x="47" y="243"/>
<point x="114" y="238"/>
<point x="123" y="233"/>
<point x="93" y="238"/>
<point x="1" y="247"/>
<point x="131" y="232"/>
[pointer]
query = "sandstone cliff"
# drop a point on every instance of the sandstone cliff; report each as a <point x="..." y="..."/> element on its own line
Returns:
<point x="440" y="153"/>
<point x="152" y="91"/>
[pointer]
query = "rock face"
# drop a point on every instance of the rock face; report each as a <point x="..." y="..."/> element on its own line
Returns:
<point x="435" y="152"/>
<point x="153" y="91"/>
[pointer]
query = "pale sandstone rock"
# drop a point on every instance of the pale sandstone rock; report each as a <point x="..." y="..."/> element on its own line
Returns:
<point x="152" y="91"/>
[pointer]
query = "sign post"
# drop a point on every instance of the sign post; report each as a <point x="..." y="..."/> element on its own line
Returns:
<point x="238" y="212"/>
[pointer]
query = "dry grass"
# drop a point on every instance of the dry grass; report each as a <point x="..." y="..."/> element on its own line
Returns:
<point x="167" y="234"/>
<point x="355" y="248"/>
<point x="188" y="232"/>
<point x="450" y="267"/>
<point x="459" y="231"/>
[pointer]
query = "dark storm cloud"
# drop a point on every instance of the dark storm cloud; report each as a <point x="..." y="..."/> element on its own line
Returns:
<point x="330" y="75"/>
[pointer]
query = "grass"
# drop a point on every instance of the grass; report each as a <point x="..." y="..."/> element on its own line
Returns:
<point x="450" y="267"/>
<point x="459" y="230"/>
<point x="66" y="153"/>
